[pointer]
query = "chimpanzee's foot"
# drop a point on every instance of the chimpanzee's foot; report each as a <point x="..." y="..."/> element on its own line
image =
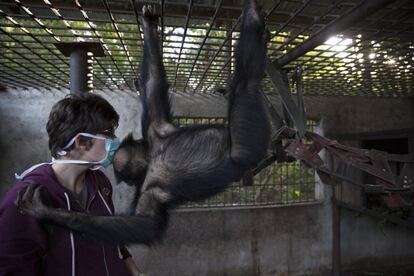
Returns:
<point x="253" y="30"/>
<point x="251" y="49"/>
<point x="253" y="16"/>
<point x="150" y="12"/>
<point x="266" y="35"/>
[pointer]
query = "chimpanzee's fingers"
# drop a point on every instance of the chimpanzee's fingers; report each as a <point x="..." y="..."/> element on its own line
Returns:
<point x="19" y="198"/>
<point x="28" y="195"/>
<point x="41" y="195"/>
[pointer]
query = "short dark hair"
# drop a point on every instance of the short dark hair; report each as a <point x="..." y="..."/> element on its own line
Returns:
<point x="86" y="112"/>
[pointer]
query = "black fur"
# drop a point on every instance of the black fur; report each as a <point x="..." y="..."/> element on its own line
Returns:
<point x="134" y="171"/>
<point x="172" y="165"/>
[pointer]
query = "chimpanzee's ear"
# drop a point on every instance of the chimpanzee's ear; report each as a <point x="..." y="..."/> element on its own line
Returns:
<point x="127" y="141"/>
<point x="121" y="158"/>
<point x="130" y="143"/>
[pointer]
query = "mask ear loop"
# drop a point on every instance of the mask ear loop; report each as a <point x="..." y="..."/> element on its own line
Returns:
<point x="62" y="152"/>
<point x="97" y="164"/>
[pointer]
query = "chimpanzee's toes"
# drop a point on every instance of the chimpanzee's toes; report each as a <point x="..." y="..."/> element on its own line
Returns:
<point x="266" y="35"/>
<point x="19" y="200"/>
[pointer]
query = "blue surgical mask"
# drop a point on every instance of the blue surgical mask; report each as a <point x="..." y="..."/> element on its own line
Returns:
<point x="111" y="146"/>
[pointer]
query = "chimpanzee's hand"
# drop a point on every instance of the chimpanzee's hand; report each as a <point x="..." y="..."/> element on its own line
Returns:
<point x="33" y="200"/>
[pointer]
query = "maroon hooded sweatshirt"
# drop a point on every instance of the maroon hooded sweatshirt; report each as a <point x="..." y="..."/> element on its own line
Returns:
<point x="28" y="247"/>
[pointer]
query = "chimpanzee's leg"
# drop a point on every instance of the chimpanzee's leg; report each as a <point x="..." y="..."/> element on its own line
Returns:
<point x="153" y="82"/>
<point x="249" y="126"/>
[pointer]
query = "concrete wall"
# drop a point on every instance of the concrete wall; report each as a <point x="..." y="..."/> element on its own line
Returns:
<point x="262" y="241"/>
<point x="367" y="242"/>
<point x="343" y="114"/>
<point x="265" y="241"/>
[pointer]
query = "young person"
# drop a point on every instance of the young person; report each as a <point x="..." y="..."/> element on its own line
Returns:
<point x="81" y="130"/>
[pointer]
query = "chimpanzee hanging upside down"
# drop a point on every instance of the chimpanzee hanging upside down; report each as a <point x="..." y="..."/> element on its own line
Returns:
<point x="171" y="165"/>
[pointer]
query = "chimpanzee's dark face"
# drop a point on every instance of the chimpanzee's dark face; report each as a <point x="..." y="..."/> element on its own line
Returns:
<point x="130" y="164"/>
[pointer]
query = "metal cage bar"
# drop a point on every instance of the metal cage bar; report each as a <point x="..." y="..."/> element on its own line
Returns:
<point x="200" y="59"/>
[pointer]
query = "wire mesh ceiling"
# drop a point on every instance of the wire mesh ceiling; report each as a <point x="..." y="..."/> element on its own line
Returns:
<point x="372" y="57"/>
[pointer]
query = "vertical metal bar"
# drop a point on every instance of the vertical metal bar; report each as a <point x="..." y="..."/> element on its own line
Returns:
<point x="35" y="53"/>
<point x="359" y="44"/>
<point x="137" y="19"/>
<point x="368" y="38"/>
<point x="101" y="40"/>
<point x="295" y="179"/>
<point x="38" y="78"/>
<point x="356" y="14"/>
<point x="281" y="168"/>
<point x="336" y="237"/>
<point x="10" y="78"/>
<point x="78" y="38"/>
<point x="80" y="69"/>
<point x="297" y="12"/>
<point x="162" y="27"/>
<point x="213" y="19"/>
<point x="219" y="72"/>
<point x="287" y="182"/>
<point x="317" y="19"/>
<point x="272" y="9"/>
<point x="187" y="20"/>
<point x="282" y="87"/>
<point x="229" y="35"/>
<point x="58" y="80"/>
<point x="111" y="17"/>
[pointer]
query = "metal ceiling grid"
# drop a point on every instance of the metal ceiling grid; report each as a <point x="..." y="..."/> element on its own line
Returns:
<point x="372" y="57"/>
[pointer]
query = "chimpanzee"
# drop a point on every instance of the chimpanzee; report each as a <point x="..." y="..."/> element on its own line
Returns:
<point x="172" y="165"/>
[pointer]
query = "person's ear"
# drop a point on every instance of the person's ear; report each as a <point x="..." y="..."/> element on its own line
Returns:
<point x="82" y="144"/>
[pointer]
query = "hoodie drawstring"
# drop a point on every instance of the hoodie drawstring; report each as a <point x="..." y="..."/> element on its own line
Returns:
<point x="72" y="239"/>
<point x="26" y="172"/>
<point x="110" y="212"/>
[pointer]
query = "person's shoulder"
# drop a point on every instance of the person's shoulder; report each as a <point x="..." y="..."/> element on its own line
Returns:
<point x="11" y="195"/>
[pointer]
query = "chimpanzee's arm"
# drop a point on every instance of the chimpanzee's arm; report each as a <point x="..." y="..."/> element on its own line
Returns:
<point x="117" y="230"/>
<point x="153" y="82"/>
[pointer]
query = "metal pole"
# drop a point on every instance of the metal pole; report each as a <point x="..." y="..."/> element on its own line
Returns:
<point x="79" y="71"/>
<point x="358" y="13"/>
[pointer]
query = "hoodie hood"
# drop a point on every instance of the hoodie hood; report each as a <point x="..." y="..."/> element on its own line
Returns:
<point x="46" y="176"/>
